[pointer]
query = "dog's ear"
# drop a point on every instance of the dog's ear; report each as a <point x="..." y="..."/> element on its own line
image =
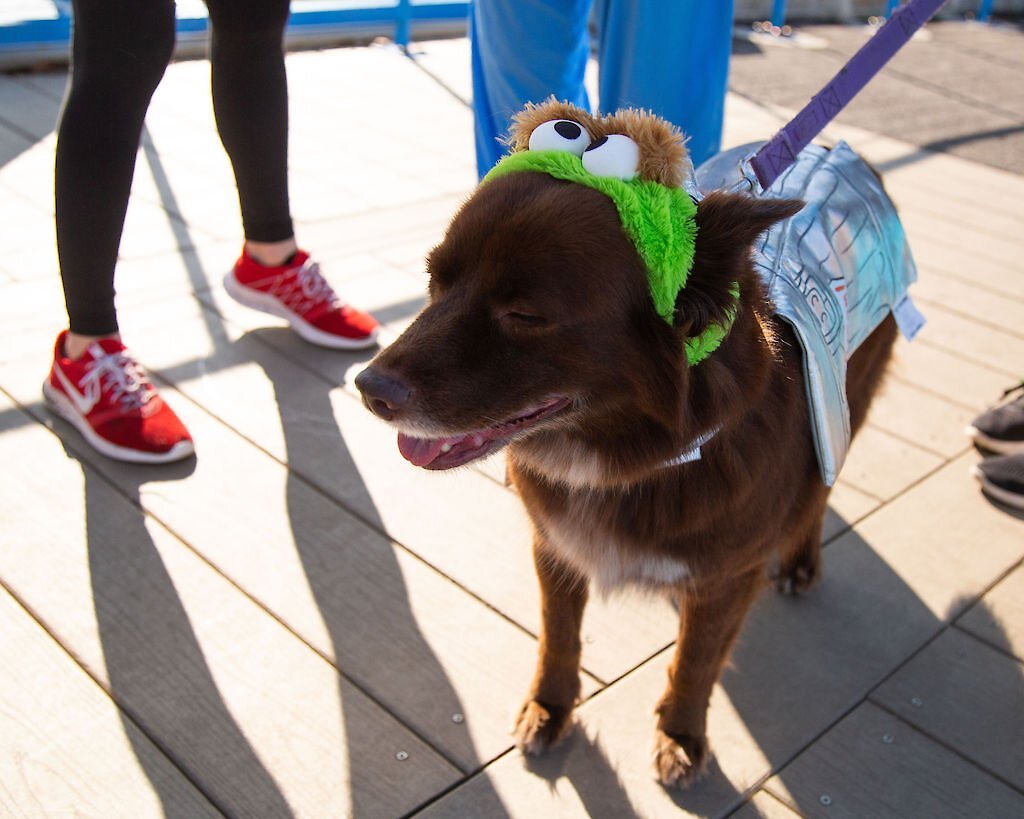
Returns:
<point x="727" y="226"/>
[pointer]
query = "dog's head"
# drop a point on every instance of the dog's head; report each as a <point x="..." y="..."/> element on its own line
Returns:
<point x="544" y="324"/>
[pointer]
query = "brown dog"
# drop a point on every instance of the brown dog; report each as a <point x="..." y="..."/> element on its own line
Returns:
<point x="540" y="334"/>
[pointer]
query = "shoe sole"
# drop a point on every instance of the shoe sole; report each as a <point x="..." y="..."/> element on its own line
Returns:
<point x="1000" y="446"/>
<point x="1004" y="496"/>
<point x="268" y="304"/>
<point x="62" y="407"/>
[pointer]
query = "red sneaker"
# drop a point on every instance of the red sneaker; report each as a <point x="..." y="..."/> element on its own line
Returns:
<point x="296" y="291"/>
<point x="107" y="397"/>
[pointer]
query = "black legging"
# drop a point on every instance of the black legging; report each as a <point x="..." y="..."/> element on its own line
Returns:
<point x="120" y="49"/>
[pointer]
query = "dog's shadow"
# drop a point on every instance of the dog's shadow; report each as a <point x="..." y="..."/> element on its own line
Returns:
<point x="582" y="765"/>
<point x="580" y="761"/>
<point x="801" y="667"/>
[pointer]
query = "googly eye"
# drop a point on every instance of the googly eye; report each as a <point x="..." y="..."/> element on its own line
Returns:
<point x="560" y="135"/>
<point x="615" y="155"/>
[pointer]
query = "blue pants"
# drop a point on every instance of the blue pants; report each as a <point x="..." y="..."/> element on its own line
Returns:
<point x="671" y="58"/>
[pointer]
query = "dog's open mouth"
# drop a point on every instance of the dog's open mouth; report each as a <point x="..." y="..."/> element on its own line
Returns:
<point x="446" y="453"/>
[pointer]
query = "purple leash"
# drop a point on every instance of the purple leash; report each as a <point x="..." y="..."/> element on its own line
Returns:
<point x="781" y="150"/>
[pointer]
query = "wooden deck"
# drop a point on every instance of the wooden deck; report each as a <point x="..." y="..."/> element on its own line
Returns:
<point x="300" y="623"/>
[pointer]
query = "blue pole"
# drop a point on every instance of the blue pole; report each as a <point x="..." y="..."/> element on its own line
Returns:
<point x="985" y="11"/>
<point x="890" y="8"/>
<point x="778" y="13"/>
<point x="403" y="11"/>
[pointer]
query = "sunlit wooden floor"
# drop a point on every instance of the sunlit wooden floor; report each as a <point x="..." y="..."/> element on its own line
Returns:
<point x="298" y="622"/>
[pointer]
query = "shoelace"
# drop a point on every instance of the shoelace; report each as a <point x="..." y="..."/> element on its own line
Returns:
<point x="122" y="375"/>
<point x="307" y="289"/>
<point x="1013" y="389"/>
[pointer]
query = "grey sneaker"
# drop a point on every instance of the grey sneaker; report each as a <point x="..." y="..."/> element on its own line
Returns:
<point x="1002" y="479"/>
<point x="1001" y="428"/>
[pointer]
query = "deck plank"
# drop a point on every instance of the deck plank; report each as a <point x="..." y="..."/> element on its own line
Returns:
<point x="969" y="300"/>
<point x="30" y="173"/>
<point x="34" y="112"/>
<point x="998" y="618"/>
<point x="603" y="770"/>
<point x="960" y="260"/>
<point x="979" y="342"/>
<point x="422" y="647"/>
<point x="921" y="417"/>
<point x="968" y="696"/>
<point x="846" y="506"/>
<point x="854" y="772"/>
<point x="327" y="436"/>
<point x="66" y="749"/>
<point x="798" y="667"/>
<point x="763" y="805"/>
<point x="12" y="144"/>
<point x="926" y="229"/>
<point x="931" y="536"/>
<point x="424" y="596"/>
<point x="884" y="465"/>
<point x="28" y="233"/>
<point x="263" y="724"/>
<point x="964" y="383"/>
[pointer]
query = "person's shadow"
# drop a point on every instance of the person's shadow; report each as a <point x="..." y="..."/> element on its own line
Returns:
<point x="357" y="586"/>
<point x="154" y="664"/>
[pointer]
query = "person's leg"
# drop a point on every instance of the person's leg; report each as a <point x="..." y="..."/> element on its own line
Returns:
<point x="523" y="51"/>
<point x="670" y="58"/>
<point x="120" y="49"/>
<point x="250" y="101"/>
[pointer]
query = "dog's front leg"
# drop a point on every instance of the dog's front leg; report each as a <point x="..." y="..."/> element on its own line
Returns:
<point x="546" y="716"/>
<point x="708" y="625"/>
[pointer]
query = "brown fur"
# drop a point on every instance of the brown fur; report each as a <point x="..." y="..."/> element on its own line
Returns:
<point x="537" y="292"/>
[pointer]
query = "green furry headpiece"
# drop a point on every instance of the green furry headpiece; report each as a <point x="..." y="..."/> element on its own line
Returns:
<point x="659" y="218"/>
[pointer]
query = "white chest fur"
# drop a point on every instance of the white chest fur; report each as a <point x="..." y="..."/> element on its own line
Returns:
<point x="568" y="463"/>
<point x="597" y="554"/>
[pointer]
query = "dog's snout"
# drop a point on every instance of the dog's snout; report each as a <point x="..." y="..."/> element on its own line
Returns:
<point x="383" y="395"/>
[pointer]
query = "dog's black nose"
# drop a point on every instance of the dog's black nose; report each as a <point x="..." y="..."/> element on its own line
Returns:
<point x="383" y="395"/>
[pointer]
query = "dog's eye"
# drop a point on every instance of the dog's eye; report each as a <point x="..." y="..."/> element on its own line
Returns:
<point x="560" y="135"/>
<point x="615" y="155"/>
<point x="520" y="319"/>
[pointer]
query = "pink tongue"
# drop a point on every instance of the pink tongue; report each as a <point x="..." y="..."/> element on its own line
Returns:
<point x="419" y="451"/>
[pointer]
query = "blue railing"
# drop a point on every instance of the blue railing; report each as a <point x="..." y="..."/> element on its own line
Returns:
<point x="778" y="17"/>
<point x="40" y="31"/>
<point x="778" y="13"/>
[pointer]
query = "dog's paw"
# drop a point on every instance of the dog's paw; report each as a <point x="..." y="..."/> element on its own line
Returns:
<point x="540" y="726"/>
<point x="797" y="578"/>
<point x="681" y="760"/>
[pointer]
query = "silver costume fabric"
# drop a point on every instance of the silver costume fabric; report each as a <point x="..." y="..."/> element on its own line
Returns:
<point x="833" y="271"/>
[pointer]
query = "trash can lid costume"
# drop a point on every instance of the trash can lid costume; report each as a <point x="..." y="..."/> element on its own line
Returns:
<point x="833" y="271"/>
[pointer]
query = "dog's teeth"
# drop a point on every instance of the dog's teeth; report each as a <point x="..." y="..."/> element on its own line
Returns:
<point x="446" y="447"/>
<point x="478" y="440"/>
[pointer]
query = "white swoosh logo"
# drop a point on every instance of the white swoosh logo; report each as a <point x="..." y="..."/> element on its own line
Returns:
<point x="83" y="404"/>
